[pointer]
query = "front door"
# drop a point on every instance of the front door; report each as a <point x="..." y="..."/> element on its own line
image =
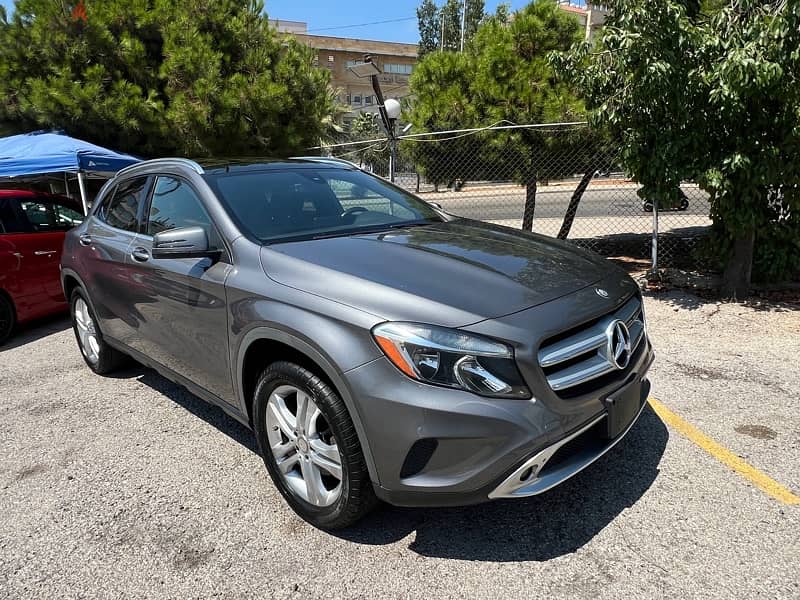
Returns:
<point x="182" y="305"/>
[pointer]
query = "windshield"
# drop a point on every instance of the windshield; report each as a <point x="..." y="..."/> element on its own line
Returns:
<point x="307" y="203"/>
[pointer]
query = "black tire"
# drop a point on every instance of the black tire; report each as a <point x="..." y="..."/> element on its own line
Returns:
<point x="684" y="203"/>
<point x="108" y="358"/>
<point x="8" y="318"/>
<point x="647" y="207"/>
<point x="357" y="496"/>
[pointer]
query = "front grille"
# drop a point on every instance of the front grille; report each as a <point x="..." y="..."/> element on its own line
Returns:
<point x="591" y="352"/>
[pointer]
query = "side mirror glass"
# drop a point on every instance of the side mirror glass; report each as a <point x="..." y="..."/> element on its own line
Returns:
<point x="186" y="242"/>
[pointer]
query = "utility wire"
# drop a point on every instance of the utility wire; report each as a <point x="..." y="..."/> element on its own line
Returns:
<point x="361" y="24"/>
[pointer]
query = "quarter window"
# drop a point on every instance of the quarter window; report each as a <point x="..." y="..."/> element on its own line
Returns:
<point x="122" y="209"/>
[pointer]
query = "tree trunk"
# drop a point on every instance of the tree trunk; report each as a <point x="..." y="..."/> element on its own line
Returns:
<point x="574" y="201"/>
<point x="530" y="204"/>
<point x="740" y="265"/>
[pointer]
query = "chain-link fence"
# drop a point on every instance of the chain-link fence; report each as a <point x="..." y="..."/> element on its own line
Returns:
<point x="561" y="180"/>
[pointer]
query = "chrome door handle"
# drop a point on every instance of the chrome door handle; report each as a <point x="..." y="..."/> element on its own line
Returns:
<point x="140" y="254"/>
<point x="85" y="240"/>
<point x="44" y="252"/>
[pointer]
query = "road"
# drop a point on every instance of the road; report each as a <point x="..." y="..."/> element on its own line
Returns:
<point x="604" y="209"/>
<point x="130" y="487"/>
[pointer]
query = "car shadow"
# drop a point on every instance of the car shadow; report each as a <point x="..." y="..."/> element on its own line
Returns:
<point x="210" y="413"/>
<point x="36" y="330"/>
<point x="539" y="528"/>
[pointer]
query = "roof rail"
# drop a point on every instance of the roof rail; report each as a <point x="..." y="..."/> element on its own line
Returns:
<point x="332" y="160"/>
<point x="166" y="161"/>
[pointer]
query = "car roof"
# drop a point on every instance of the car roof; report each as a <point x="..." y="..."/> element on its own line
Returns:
<point x="221" y="166"/>
<point x="6" y="193"/>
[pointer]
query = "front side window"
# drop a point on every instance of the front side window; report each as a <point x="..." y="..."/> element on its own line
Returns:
<point x="305" y="203"/>
<point x="121" y="209"/>
<point x="175" y="205"/>
<point x="66" y="217"/>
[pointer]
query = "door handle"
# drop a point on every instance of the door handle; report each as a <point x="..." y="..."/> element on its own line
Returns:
<point x="44" y="252"/>
<point x="85" y="240"/>
<point x="140" y="254"/>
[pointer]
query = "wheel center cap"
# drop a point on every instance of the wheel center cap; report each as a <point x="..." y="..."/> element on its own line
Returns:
<point x="302" y="445"/>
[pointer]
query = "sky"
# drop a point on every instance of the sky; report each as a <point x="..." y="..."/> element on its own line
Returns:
<point x="323" y="15"/>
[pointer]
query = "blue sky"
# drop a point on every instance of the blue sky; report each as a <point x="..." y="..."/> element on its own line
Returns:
<point x="325" y="14"/>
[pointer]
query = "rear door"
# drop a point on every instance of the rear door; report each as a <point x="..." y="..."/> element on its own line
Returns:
<point x="108" y="238"/>
<point x="182" y="310"/>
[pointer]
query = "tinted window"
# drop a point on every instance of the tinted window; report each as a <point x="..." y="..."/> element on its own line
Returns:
<point x="174" y="205"/>
<point x="66" y="217"/>
<point x="39" y="215"/>
<point x="9" y="220"/>
<point x="280" y="205"/>
<point x="122" y="207"/>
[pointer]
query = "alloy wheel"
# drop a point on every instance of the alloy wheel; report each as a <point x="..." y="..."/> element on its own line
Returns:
<point x="303" y="445"/>
<point x="87" y="332"/>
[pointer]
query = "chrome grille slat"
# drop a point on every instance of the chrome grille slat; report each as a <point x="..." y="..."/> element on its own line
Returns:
<point x="587" y="351"/>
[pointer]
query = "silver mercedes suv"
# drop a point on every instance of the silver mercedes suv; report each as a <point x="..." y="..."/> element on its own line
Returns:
<point x="378" y="347"/>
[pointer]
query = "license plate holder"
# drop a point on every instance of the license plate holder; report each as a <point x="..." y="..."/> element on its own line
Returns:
<point x="622" y="407"/>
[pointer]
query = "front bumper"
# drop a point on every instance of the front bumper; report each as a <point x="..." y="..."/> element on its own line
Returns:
<point x="465" y="449"/>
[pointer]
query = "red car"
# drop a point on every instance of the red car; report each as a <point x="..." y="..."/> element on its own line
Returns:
<point x="32" y="226"/>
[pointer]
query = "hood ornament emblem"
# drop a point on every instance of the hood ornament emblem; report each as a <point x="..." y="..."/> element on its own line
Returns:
<point x="601" y="292"/>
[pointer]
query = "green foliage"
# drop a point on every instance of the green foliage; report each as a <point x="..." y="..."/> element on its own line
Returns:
<point x="502" y="77"/>
<point x="445" y="22"/>
<point x="705" y="91"/>
<point x="159" y="77"/>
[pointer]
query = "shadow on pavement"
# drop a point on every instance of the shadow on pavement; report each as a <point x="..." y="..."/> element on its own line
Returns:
<point x="535" y="529"/>
<point x="36" y="330"/>
<point x="211" y="414"/>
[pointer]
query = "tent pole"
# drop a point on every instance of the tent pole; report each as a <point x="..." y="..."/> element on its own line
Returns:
<point x="81" y="185"/>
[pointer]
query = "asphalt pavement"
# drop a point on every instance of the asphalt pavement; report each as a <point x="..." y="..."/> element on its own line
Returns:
<point x="130" y="487"/>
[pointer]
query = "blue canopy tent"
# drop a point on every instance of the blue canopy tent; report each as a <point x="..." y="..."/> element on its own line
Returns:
<point x="44" y="152"/>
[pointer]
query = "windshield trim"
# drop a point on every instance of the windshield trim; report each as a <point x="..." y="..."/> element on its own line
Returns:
<point x="366" y="229"/>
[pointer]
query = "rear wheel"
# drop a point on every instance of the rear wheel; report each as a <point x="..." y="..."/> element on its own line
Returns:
<point x="310" y="447"/>
<point x="98" y="355"/>
<point x="8" y="317"/>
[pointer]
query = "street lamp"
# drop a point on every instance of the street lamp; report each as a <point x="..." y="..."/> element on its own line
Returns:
<point x="388" y="109"/>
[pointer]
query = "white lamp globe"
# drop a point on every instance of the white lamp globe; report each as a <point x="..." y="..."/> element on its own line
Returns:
<point x="392" y="107"/>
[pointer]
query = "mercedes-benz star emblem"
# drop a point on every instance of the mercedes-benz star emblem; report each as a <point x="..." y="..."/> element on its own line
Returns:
<point x="601" y="292"/>
<point x="619" y="344"/>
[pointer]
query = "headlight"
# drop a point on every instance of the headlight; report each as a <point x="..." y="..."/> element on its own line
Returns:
<point x="452" y="358"/>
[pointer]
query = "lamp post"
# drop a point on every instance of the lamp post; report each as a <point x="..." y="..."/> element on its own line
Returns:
<point x="388" y="109"/>
<point x="392" y="107"/>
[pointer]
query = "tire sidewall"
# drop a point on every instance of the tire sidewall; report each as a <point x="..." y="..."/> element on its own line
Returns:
<point x="105" y="357"/>
<point x="325" y="398"/>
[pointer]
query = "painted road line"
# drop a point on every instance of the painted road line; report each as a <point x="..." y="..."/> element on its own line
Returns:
<point x="725" y="456"/>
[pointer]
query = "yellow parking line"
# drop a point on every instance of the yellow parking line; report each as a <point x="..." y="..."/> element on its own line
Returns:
<point x="725" y="456"/>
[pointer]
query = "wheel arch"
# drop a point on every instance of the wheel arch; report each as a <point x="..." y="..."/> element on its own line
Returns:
<point x="264" y="345"/>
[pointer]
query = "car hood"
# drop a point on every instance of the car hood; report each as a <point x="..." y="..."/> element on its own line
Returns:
<point x="452" y="274"/>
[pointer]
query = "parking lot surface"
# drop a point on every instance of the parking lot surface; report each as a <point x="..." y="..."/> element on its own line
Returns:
<point x="129" y="486"/>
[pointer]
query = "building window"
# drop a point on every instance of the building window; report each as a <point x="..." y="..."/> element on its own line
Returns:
<point x="330" y="58"/>
<point x="357" y="99"/>
<point x="353" y="63"/>
<point x="367" y="99"/>
<point x="397" y="69"/>
<point x="348" y="99"/>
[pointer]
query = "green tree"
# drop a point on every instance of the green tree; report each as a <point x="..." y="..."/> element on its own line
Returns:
<point x="504" y="76"/>
<point x="428" y="22"/>
<point x="158" y="77"/>
<point x="710" y="92"/>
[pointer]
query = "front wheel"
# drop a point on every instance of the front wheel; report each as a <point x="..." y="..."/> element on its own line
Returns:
<point x="310" y="447"/>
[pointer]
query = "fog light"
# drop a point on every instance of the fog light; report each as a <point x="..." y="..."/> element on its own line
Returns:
<point x="473" y="376"/>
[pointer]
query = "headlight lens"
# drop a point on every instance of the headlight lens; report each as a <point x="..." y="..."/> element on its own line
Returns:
<point x="452" y="358"/>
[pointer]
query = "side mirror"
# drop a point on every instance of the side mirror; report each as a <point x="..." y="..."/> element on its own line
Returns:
<point x="435" y="205"/>
<point x="187" y="242"/>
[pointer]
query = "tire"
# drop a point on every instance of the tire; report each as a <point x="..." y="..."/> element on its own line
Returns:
<point x="97" y="354"/>
<point x="301" y="456"/>
<point x="647" y="207"/>
<point x="8" y="318"/>
<point x="684" y="204"/>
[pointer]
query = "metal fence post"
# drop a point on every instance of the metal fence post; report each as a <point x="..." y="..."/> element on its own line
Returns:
<point x="655" y="236"/>
<point x="392" y="157"/>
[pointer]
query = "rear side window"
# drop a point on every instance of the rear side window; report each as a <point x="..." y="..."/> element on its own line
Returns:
<point x="121" y="209"/>
<point x="39" y="215"/>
